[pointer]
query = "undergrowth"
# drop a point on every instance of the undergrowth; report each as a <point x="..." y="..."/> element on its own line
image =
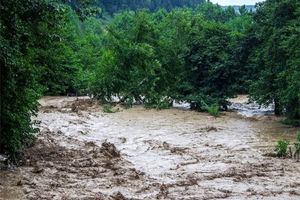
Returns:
<point x="283" y="150"/>
<point x="213" y="110"/>
<point x="109" y="109"/>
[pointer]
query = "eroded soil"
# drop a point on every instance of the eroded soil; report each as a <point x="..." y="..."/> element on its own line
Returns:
<point x="84" y="153"/>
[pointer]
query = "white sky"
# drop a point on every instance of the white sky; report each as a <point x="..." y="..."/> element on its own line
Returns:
<point x="235" y="2"/>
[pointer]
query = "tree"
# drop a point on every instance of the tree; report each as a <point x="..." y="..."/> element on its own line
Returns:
<point x="278" y="81"/>
<point x="213" y="12"/>
<point x="161" y="57"/>
<point x="209" y="68"/>
<point x="26" y="27"/>
<point x="245" y="43"/>
<point x="130" y="68"/>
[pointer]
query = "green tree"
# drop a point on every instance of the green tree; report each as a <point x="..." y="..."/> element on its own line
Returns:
<point x="117" y="6"/>
<point x="245" y="43"/>
<point x="278" y="32"/>
<point x="161" y="57"/>
<point x="130" y="68"/>
<point x="26" y="27"/>
<point x="213" y="12"/>
<point x="209" y="65"/>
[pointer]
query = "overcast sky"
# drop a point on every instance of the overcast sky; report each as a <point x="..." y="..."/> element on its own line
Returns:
<point x="235" y="2"/>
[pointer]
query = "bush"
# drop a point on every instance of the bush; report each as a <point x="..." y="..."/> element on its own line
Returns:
<point x="281" y="148"/>
<point x="213" y="110"/>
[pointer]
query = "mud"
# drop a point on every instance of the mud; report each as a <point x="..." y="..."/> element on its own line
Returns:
<point x="84" y="153"/>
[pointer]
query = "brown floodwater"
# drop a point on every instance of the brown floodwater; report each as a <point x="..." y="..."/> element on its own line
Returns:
<point x="138" y="153"/>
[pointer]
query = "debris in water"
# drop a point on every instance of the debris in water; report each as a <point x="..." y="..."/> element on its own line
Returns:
<point x="163" y="193"/>
<point x="123" y="140"/>
<point x="119" y="196"/>
<point x="20" y="182"/>
<point x="211" y="128"/>
<point x="37" y="170"/>
<point x="110" y="150"/>
<point x="166" y="146"/>
<point x="82" y="133"/>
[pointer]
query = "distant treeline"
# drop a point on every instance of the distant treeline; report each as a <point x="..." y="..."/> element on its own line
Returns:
<point x="236" y="8"/>
<point x="116" y="6"/>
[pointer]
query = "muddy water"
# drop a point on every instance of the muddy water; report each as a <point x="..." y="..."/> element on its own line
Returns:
<point x="164" y="154"/>
<point x="242" y="106"/>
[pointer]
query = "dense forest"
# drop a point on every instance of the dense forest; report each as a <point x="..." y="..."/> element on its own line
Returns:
<point x="172" y="50"/>
<point x="115" y="6"/>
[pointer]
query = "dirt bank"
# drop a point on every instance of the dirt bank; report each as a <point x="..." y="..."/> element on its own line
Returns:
<point x="83" y="153"/>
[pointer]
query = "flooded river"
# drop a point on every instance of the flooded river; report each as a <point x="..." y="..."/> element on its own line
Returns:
<point x="138" y="153"/>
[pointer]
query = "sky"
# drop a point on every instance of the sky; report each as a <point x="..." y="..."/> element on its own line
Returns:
<point x="235" y="2"/>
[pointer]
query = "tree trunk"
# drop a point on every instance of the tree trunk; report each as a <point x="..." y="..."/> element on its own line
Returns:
<point x="278" y="108"/>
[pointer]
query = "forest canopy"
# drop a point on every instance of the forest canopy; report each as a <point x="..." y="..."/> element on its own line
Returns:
<point x="172" y="50"/>
<point x="116" y="6"/>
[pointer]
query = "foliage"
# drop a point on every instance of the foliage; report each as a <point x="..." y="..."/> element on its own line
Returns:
<point x="117" y="6"/>
<point x="20" y="24"/>
<point x="281" y="148"/>
<point x="282" y="145"/>
<point x="213" y="110"/>
<point x="27" y="28"/>
<point x="212" y="12"/>
<point x="161" y="57"/>
<point x="277" y="30"/>
<point x="69" y="62"/>
<point x="209" y="66"/>
<point x="129" y="65"/>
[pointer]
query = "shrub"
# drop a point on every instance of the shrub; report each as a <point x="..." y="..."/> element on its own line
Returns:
<point x="281" y="148"/>
<point x="213" y="110"/>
